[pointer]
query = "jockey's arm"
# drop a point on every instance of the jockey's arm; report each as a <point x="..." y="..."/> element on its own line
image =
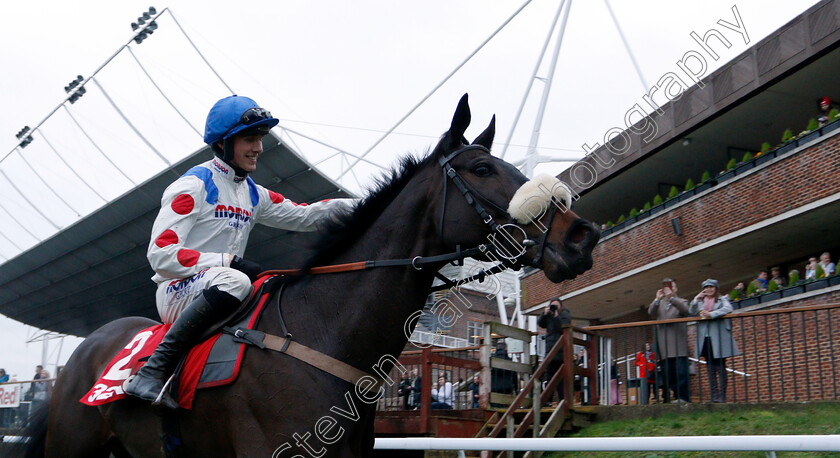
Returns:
<point x="178" y="213"/>
<point x="277" y="211"/>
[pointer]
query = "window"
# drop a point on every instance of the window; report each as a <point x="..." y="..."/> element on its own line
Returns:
<point x="474" y="332"/>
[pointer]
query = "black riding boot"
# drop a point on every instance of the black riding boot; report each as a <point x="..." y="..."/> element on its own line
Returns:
<point x="206" y="309"/>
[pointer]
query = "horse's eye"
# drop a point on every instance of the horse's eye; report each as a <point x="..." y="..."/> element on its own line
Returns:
<point x="482" y="170"/>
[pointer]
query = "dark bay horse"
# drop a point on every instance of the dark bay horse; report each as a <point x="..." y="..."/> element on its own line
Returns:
<point x="283" y="407"/>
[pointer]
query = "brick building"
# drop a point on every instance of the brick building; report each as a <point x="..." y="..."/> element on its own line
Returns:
<point x="776" y="210"/>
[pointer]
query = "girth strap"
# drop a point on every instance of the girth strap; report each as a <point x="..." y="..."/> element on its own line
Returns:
<point x="303" y="353"/>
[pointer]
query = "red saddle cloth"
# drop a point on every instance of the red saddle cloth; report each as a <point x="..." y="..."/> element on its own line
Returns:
<point x="110" y="385"/>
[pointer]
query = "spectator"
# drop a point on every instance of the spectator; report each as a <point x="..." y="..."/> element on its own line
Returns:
<point x="416" y="386"/>
<point x="581" y="360"/>
<point x="404" y="391"/>
<point x="828" y="267"/>
<point x="825" y="109"/>
<point x="553" y="318"/>
<point x="761" y="282"/>
<point x="442" y="394"/>
<point x="793" y="277"/>
<point x="714" y="337"/>
<point x="741" y="289"/>
<point x="30" y="394"/>
<point x="502" y="380"/>
<point x="615" y="381"/>
<point x="811" y="269"/>
<point x="646" y="367"/>
<point x="671" y="341"/>
<point x="776" y="276"/>
<point x="474" y="390"/>
<point x="5" y="414"/>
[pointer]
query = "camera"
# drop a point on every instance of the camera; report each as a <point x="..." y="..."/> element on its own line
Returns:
<point x="553" y="307"/>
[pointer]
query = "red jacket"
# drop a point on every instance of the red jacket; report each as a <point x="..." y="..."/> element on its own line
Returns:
<point x="646" y="369"/>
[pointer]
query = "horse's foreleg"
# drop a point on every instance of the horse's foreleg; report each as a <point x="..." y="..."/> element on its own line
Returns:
<point x="75" y="430"/>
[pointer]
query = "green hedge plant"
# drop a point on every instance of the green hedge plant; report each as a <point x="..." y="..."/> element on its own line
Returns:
<point x="833" y="114"/>
<point x="813" y="125"/>
<point x="657" y="199"/>
<point x="751" y="289"/>
<point x="772" y="286"/>
<point x="820" y="271"/>
<point x="620" y="219"/>
<point x="734" y="295"/>
<point x="634" y="212"/>
<point x="646" y="207"/>
<point x="765" y="147"/>
<point x="689" y="184"/>
<point x="794" y="277"/>
<point x="610" y="223"/>
<point x="705" y="177"/>
<point x="747" y="157"/>
<point x="787" y="136"/>
<point x="674" y="192"/>
<point x="731" y="164"/>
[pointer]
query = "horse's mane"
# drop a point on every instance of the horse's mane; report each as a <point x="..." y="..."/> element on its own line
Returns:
<point x="348" y="227"/>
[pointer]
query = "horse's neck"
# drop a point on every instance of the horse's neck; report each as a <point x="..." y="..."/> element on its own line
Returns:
<point x="359" y="316"/>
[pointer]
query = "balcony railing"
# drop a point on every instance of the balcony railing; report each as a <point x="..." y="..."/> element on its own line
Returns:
<point x="425" y="338"/>
<point x="786" y="355"/>
<point x="779" y="151"/>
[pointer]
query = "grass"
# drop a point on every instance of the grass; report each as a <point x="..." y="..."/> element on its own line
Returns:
<point x="818" y="418"/>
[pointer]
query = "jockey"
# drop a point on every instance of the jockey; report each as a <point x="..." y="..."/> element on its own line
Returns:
<point x="200" y="235"/>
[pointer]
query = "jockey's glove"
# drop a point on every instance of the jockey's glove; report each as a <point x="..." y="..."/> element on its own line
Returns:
<point x="249" y="268"/>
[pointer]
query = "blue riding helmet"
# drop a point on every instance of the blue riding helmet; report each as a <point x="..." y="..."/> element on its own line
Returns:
<point x="234" y="114"/>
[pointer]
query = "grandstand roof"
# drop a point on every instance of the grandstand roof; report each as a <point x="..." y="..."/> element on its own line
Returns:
<point x="96" y="270"/>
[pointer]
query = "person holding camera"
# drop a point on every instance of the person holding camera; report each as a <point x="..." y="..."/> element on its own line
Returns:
<point x="714" y="336"/>
<point x="672" y="341"/>
<point x="553" y="318"/>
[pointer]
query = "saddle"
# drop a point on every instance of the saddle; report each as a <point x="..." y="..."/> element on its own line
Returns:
<point x="213" y="362"/>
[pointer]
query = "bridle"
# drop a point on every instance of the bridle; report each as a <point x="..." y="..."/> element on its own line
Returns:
<point x="467" y="191"/>
<point x="472" y="197"/>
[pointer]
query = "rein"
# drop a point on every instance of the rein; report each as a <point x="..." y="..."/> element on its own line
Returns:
<point x="416" y="262"/>
<point x="349" y="373"/>
<point x="472" y="197"/>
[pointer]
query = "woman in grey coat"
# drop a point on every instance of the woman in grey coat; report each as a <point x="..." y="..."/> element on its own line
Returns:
<point x="714" y="336"/>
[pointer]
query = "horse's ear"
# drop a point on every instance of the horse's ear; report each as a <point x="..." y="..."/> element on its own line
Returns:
<point x="485" y="139"/>
<point x="460" y="122"/>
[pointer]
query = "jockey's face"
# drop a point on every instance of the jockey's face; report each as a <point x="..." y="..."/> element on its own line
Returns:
<point x="246" y="151"/>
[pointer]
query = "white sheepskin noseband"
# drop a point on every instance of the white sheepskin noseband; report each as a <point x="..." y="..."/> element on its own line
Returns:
<point x="533" y="198"/>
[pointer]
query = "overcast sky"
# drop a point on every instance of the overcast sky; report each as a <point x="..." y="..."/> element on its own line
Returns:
<point x="340" y="72"/>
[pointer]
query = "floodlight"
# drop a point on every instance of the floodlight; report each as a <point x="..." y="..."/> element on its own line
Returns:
<point x="152" y="10"/>
<point x="134" y="26"/>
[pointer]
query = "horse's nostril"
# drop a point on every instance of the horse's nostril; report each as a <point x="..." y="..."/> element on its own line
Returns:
<point x="579" y="234"/>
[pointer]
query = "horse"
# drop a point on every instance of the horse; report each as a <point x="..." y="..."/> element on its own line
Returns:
<point x="458" y="195"/>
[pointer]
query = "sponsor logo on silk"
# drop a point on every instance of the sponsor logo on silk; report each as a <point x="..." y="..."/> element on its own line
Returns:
<point x="179" y="285"/>
<point x="238" y="217"/>
<point x="220" y="167"/>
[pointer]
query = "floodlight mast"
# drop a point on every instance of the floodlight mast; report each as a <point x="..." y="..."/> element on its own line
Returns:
<point x="532" y="157"/>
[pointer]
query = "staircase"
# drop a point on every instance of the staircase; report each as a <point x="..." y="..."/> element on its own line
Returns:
<point x="538" y="421"/>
